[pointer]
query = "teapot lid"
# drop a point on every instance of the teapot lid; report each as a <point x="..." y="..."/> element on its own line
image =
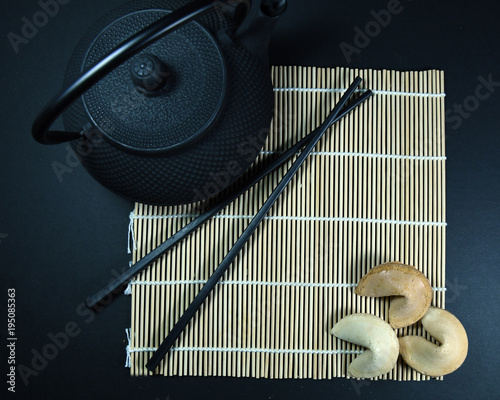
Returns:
<point x="181" y="97"/>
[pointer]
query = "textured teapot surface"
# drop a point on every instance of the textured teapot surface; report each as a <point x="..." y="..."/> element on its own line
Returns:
<point x="182" y="119"/>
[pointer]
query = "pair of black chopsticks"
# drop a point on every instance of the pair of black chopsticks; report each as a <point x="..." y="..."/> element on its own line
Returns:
<point x="307" y="144"/>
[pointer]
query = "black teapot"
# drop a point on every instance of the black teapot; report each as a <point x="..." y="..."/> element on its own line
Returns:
<point x="167" y="101"/>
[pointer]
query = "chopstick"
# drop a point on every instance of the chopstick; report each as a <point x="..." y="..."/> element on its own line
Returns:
<point x="105" y="295"/>
<point x="231" y="255"/>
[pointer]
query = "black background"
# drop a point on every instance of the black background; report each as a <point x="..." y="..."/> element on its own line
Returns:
<point x="60" y="241"/>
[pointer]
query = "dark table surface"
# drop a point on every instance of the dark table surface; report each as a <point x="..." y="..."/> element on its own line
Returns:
<point x="60" y="241"/>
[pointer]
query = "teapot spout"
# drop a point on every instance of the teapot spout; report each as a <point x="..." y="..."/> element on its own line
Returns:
<point x="255" y="31"/>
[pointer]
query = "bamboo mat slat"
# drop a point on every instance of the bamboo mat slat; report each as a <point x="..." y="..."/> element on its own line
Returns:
<point x="372" y="191"/>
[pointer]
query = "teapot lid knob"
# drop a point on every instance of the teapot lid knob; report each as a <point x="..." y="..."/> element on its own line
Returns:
<point x="150" y="75"/>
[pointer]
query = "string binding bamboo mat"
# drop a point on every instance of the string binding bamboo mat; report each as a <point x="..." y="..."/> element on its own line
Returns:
<point x="372" y="191"/>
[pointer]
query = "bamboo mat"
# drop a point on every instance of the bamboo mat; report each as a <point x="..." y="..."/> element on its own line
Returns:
<point x="372" y="191"/>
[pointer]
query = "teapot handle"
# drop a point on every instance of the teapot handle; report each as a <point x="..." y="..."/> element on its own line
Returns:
<point x="125" y="50"/>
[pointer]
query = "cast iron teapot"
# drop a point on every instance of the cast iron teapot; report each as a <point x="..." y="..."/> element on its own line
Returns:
<point x="167" y="101"/>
